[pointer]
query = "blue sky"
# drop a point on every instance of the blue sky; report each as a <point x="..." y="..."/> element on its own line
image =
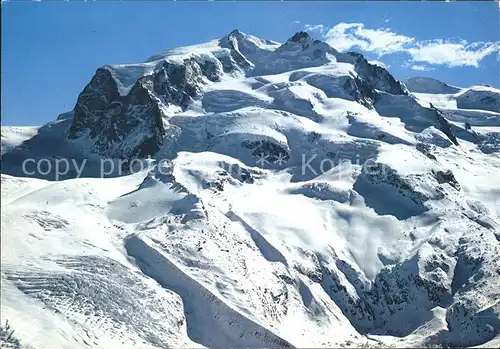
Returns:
<point x="50" y="50"/>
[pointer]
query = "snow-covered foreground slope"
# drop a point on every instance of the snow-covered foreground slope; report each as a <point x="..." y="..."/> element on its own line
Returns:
<point x="279" y="196"/>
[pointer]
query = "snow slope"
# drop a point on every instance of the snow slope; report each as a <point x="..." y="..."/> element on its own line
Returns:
<point x="281" y="195"/>
<point x="14" y="136"/>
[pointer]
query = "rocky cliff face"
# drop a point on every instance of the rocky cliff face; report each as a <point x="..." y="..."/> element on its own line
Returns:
<point x="134" y="125"/>
<point x="118" y="126"/>
<point x="377" y="77"/>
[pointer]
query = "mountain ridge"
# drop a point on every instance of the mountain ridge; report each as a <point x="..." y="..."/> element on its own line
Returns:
<point x="192" y="73"/>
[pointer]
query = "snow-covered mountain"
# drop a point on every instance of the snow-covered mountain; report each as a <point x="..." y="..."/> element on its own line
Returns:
<point x="422" y="84"/>
<point x="247" y="193"/>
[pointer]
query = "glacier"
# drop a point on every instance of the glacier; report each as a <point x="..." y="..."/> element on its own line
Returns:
<point x="245" y="193"/>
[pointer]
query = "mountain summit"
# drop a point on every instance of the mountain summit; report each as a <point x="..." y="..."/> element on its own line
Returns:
<point x="124" y="110"/>
<point x="300" y="37"/>
<point x="247" y="193"/>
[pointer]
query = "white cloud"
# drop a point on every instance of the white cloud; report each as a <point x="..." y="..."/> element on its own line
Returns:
<point x="453" y="54"/>
<point x="346" y="36"/>
<point x="421" y="67"/>
<point x="380" y="64"/>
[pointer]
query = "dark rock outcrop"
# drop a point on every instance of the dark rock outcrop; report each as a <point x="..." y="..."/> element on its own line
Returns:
<point x="446" y="177"/>
<point x="299" y="36"/>
<point x="443" y="124"/>
<point x="118" y="126"/>
<point x="272" y="152"/>
<point x="376" y="76"/>
<point x="426" y="149"/>
<point x="361" y="91"/>
<point x="490" y="143"/>
<point x="134" y="125"/>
